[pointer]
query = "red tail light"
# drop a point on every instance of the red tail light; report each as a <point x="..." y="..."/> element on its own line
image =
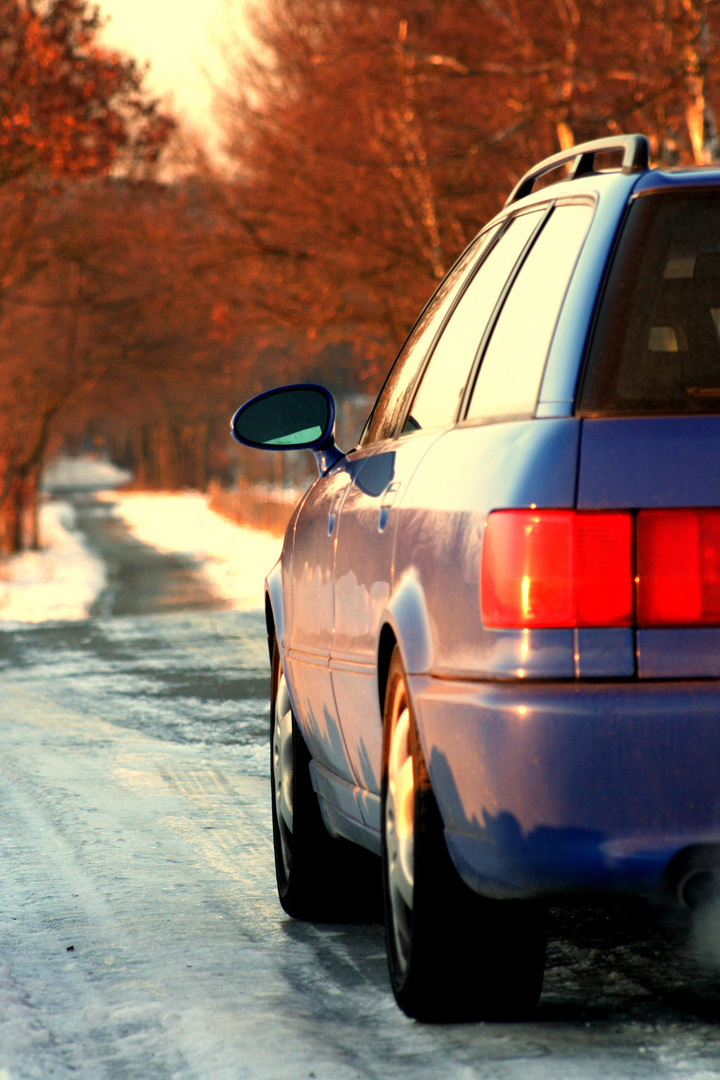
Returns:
<point x="544" y="568"/>
<point x="678" y="567"/>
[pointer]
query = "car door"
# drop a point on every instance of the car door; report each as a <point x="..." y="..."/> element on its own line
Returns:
<point x="309" y="620"/>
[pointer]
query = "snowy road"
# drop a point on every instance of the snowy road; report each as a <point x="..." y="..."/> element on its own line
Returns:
<point x="140" y="935"/>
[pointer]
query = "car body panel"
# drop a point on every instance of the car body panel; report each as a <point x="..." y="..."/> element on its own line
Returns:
<point x="364" y="571"/>
<point x="604" y="652"/>
<point x="648" y="462"/>
<point x="274" y="607"/>
<point x="561" y="787"/>
<point x="562" y="370"/>
<point x="347" y="809"/>
<point x="309" y="622"/>
<point x="673" y="180"/>
<point x="469" y="472"/>
<point x="689" y="652"/>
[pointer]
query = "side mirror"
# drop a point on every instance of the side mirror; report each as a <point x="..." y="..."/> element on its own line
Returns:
<point x="300" y="417"/>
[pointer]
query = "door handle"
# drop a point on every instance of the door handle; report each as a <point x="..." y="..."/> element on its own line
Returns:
<point x="387" y="500"/>
<point x="335" y="510"/>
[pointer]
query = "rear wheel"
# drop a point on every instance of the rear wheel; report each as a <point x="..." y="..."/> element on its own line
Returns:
<point x="319" y="878"/>
<point x="452" y="954"/>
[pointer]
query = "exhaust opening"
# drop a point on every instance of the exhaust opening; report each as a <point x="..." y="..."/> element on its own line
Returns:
<point x="693" y="877"/>
<point x="700" y="889"/>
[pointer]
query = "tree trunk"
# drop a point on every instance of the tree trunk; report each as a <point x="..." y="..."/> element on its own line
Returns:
<point x="33" y="505"/>
<point x="33" y="473"/>
<point x="11" y="516"/>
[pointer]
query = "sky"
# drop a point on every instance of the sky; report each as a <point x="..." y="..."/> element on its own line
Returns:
<point x="179" y="38"/>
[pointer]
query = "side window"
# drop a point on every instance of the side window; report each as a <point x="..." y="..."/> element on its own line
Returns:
<point x="512" y="368"/>
<point x="443" y="382"/>
<point x="392" y="400"/>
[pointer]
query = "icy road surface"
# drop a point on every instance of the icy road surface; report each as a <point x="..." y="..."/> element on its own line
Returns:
<point x="140" y="934"/>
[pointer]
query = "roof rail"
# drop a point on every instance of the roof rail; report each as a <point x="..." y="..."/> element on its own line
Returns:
<point x="636" y="158"/>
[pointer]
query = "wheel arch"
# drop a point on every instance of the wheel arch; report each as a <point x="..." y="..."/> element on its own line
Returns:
<point x="406" y="624"/>
<point x="386" y="648"/>
<point x="274" y="620"/>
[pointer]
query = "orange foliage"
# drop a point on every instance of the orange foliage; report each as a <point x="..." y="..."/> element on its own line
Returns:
<point x="68" y="105"/>
<point x="372" y="140"/>
<point x="367" y="143"/>
<point x="68" y="110"/>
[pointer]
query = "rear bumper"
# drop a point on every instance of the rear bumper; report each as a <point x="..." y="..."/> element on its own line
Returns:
<point x="564" y="788"/>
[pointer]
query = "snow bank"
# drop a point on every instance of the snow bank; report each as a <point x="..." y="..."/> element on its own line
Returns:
<point x="82" y="474"/>
<point x="234" y="559"/>
<point x="61" y="581"/>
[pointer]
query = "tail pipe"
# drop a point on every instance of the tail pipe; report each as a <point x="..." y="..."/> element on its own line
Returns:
<point x="693" y="877"/>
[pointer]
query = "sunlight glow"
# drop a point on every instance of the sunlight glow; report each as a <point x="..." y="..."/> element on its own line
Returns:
<point x="179" y="39"/>
<point x="525" y="645"/>
<point x="525" y="589"/>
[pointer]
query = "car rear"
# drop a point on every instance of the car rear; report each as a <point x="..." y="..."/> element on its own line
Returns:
<point x="608" y="780"/>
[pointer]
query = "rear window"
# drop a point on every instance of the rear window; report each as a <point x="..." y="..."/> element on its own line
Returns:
<point x="656" y="348"/>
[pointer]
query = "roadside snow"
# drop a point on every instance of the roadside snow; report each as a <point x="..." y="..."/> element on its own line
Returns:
<point x="82" y="474"/>
<point x="64" y="578"/>
<point x="61" y="581"/>
<point x="233" y="558"/>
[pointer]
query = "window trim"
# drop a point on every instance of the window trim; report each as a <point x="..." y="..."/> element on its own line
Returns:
<point x="478" y="421"/>
<point x="501" y="227"/>
<point x="421" y="368"/>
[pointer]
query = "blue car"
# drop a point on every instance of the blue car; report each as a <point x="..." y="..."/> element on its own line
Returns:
<point x="495" y="624"/>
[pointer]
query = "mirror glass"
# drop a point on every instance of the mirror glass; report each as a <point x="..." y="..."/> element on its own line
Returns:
<point x="291" y="418"/>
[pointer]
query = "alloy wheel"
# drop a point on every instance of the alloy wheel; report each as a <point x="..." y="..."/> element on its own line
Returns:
<point x="400" y="824"/>
<point x="283" y="769"/>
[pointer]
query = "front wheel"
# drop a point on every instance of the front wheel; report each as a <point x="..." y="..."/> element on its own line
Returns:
<point x="452" y="954"/>
<point x="319" y="878"/>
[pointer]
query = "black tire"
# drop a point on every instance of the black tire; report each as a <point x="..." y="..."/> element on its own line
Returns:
<point x="453" y="955"/>
<point x="319" y="878"/>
